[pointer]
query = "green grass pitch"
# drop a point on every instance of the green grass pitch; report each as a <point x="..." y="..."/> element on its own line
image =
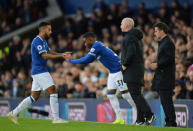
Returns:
<point x="26" y="124"/>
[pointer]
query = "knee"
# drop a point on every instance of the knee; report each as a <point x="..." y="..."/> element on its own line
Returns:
<point x="113" y="91"/>
<point x="124" y="92"/>
<point x="51" y="90"/>
<point x="35" y="96"/>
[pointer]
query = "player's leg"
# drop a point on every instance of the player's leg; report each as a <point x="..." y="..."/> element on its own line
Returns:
<point x="53" y="101"/>
<point x="115" y="104"/>
<point x="54" y="104"/>
<point x="113" y="99"/>
<point x="127" y="96"/>
<point x="27" y="102"/>
<point x="47" y="83"/>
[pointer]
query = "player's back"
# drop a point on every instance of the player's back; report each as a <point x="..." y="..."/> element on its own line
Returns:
<point x="38" y="46"/>
<point x="107" y="57"/>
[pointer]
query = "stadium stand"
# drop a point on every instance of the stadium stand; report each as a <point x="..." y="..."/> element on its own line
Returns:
<point x="80" y="81"/>
<point x="17" y="13"/>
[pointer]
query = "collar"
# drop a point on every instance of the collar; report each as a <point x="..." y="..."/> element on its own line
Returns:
<point x="163" y="39"/>
<point x="40" y="37"/>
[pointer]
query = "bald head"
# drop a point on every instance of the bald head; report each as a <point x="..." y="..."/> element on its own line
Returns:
<point x="127" y="24"/>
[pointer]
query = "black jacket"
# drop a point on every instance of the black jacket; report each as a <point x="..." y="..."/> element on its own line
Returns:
<point x="164" y="78"/>
<point x="132" y="58"/>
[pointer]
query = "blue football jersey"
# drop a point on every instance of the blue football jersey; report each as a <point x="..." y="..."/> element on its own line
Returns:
<point x="105" y="55"/>
<point x="38" y="46"/>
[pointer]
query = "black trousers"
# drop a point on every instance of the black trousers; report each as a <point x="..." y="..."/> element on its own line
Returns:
<point x="143" y="109"/>
<point x="168" y="106"/>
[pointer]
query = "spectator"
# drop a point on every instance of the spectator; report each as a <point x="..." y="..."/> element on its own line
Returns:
<point x="2" y="88"/>
<point x="178" y="92"/>
<point x="79" y="91"/>
<point x="17" y="90"/>
<point x="189" y="85"/>
<point x="20" y="13"/>
<point x="100" y="5"/>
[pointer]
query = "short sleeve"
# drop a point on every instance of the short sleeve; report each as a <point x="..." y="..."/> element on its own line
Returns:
<point x="94" y="51"/>
<point x="40" y="47"/>
<point x="47" y="47"/>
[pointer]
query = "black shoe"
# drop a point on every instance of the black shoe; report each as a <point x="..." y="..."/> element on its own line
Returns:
<point x="150" y="120"/>
<point x="140" y="123"/>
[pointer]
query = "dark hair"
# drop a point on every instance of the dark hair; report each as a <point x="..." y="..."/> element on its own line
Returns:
<point x="42" y="24"/>
<point x="161" y="26"/>
<point x="89" y="34"/>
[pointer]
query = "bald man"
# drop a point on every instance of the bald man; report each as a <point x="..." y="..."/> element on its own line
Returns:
<point x="133" y="69"/>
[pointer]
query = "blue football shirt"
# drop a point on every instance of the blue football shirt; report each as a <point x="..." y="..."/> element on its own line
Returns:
<point x="39" y="64"/>
<point x="105" y="55"/>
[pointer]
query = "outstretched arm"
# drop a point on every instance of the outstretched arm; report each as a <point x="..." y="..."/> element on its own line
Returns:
<point x="53" y="55"/>
<point x="47" y="55"/>
<point x="84" y="60"/>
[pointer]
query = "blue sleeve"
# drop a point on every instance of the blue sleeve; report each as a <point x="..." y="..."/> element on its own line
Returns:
<point x="90" y="57"/>
<point x="84" y="60"/>
<point x="39" y="46"/>
<point x="94" y="51"/>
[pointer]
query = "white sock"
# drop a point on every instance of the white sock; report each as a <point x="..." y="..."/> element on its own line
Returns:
<point x="129" y="99"/>
<point x="23" y="105"/>
<point x="115" y="104"/>
<point x="54" y="106"/>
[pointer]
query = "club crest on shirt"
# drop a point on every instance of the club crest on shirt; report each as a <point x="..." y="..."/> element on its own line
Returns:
<point x="39" y="47"/>
<point x="92" y="50"/>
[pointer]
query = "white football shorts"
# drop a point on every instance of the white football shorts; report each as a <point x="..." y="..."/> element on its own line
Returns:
<point x="42" y="81"/>
<point x="115" y="81"/>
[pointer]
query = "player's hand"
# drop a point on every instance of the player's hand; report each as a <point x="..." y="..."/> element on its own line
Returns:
<point x="67" y="55"/>
<point x="124" y="67"/>
<point x="153" y="66"/>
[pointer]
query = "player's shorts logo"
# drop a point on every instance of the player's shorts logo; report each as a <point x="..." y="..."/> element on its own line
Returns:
<point x="39" y="47"/>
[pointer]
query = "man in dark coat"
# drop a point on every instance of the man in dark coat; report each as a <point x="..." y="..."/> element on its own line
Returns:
<point x="133" y="69"/>
<point x="164" y="78"/>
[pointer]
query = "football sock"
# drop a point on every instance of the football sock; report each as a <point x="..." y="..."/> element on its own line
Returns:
<point x="129" y="99"/>
<point x="23" y="105"/>
<point x="54" y="106"/>
<point x="115" y="104"/>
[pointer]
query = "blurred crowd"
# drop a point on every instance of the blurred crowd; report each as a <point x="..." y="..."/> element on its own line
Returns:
<point x="90" y="81"/>
<point x="17" y="13"/>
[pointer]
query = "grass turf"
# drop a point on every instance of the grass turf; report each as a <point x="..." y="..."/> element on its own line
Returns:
<point x="26" y="124"/>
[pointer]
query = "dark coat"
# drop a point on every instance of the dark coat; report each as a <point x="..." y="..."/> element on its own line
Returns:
<point x="164" y="78"/>
<point x="132" y="58"/>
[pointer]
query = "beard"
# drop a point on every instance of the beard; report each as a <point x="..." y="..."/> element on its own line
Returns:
<point x="46" y="36"/>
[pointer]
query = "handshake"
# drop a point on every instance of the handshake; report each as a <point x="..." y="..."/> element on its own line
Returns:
<point x="67" y="55"/>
